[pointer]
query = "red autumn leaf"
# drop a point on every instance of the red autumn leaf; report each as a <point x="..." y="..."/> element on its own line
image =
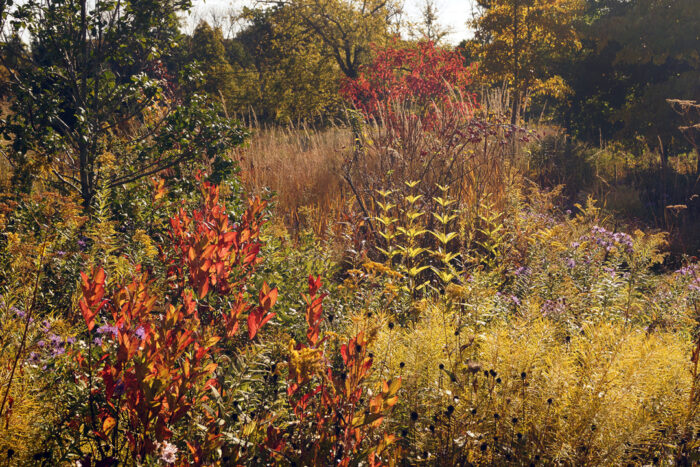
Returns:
<point x="267" y="297"/>
<point x="314" y="284"/>
<point x="256" y="320"/>
<point x="421" y="75"/>
<point x="93" y="292"/>
<point x="314" y="310"/>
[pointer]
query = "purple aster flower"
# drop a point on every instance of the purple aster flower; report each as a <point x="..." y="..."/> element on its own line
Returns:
<point x="41" y="343"/>
<point x="553" y="307"/>
<point x="18" y="312"/>
<point x="140" y="333"/>
<point x="98" y="341"/>
<point x="55" y="340"/>
<point x="571" y="263"/>
<point x="522" y="270"/>
<point x="70" y="340"/>
<point x="695" y="285"/>
<point x="106" y="328"/>
<point x="686" y="271"/>
<point x="34" y="357"/>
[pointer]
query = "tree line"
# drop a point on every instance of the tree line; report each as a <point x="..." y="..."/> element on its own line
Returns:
<point x="120" y="80"/>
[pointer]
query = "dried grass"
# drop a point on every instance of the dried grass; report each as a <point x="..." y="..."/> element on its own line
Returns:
<point x="301" y="165"/>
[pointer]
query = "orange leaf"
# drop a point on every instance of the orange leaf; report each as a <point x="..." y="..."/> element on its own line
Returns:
<point x="108" y="424"/>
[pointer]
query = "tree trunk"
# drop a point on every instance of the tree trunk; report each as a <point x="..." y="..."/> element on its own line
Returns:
<point x="515" y="108"/>
<point x="86" y="192"/>
<point x="85" y="167"/>
<point x="516" y="65"/>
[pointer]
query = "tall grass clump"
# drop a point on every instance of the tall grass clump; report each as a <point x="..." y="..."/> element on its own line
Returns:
<point x="301" y="166"/>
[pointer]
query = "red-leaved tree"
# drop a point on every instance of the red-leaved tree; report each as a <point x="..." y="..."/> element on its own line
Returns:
<point x="419" y="76"/>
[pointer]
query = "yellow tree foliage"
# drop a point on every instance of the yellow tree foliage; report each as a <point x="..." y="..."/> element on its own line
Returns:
<point x="520" y="38"/>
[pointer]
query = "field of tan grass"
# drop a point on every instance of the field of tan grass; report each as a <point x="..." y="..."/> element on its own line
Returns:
<point x="301" y="165"/>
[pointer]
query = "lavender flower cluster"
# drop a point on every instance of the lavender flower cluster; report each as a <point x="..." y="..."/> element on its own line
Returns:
<point x="609" y="240"/>
<point x="51" y="347"/>
<point x="107" y="330"/>
<point x="522" y="271"/>
<point x="691" y="273"/>
<point x="509" y="298"/>
<point x="553" y="308"/>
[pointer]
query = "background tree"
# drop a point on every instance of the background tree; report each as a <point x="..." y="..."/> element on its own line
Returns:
<point x="429" y="27"/>
<point x="92" y="105"/>
<point x="347" y="28"/>
<point x="635" y="55"/>
<point x="282" y="71"/>
<point x="207" y="49"/>
<point x="520" y="39"/>
<point x="653" y="45"/>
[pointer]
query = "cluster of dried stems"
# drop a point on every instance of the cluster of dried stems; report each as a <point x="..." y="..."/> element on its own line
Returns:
<point x="317" y="172"/>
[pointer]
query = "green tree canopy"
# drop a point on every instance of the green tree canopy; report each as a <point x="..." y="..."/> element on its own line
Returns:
<point x="281" y="69"/>
<point x="347" y="28"/>
<point x="207" y="49"/>
<point x="92" y="105"/>
<point x="636" y="55"/>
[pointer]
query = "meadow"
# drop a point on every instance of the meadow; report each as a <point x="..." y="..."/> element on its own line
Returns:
<point x="469" y="322"/>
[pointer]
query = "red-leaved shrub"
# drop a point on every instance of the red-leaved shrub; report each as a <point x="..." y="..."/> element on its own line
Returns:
<point x="152" y="358"/>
